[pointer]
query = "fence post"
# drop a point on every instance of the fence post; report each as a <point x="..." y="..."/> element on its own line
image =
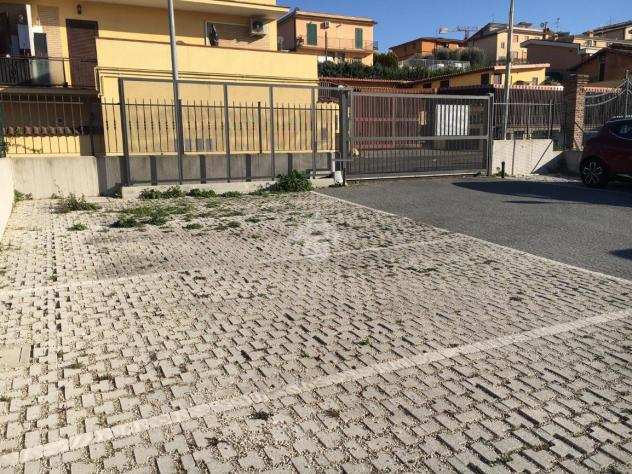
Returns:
<point x="260" y="128"/>
<point x="3" y="143"/>
<point x="574" y="111"/>
<point x="314" y="142"/>
<point x="124" y="136"/>
<point x="628" y="91"/>
<point x="180" y="141"/>
<point x="272" y="126"/>
<point x="550" y="119"/>
<point x="490" y="134"/>
<point x="227" y="132"/>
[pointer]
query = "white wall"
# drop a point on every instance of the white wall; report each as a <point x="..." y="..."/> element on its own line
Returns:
<point x="6" y="192"/>
<point x="524" y="157"/>
<point x="43" y="176"/>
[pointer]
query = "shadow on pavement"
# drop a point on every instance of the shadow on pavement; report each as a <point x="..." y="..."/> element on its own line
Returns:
<point x="538" y="190"/>
<point x="623" y="253"/>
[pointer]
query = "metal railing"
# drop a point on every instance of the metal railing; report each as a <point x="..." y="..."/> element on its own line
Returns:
<point x="528" y="119"/>
<point x="151" y="127"/>
<point x="47" y="72"/>
<point x="340" y="44"/>
<point x="602" y="105"/>
<point x="48" y="124"/>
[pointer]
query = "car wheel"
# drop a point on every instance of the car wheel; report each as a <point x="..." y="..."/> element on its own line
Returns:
<point x="594" y="173"/>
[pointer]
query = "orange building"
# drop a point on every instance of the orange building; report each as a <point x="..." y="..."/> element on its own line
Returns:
<point x="424" y="46"/>
<point x="330" y="37"/>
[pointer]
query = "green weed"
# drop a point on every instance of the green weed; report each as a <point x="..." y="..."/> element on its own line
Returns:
<point x="78" y="227"/>
<point x="171" y="193"/>
<point x="72" y="204"/>
<point x="202" y="193"/>
<point x="18" y="196"/>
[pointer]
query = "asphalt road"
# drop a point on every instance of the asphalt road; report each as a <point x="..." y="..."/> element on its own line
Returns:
<point x="563" y="221"/>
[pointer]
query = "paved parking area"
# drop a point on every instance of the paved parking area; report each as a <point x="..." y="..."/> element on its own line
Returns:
<point x="558" y="219"/>
<point x="302" y="333"/>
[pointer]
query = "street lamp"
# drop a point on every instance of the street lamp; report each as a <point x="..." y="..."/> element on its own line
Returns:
<point x="176" y="89"/>
<point x="508" y="68"/>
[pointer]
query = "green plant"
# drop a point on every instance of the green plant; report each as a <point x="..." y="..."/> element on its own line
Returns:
<point x="18" y="196"/>
<point x="193" y="226"/>
<point x="4" y="146"/>
<point x="72" y="204"/>
<point x="293" y="182"/>
<point x="78" y="227"/>
<point x="126" y="222"/>
<point x="148" y="194"/>
<point x="202" y="193"/>
<point x="231" y="194"/>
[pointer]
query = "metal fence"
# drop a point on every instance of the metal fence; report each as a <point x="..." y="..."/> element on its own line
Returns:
<point x="528" y="119"/>
<point x="602" y="105"/>
<point x="229" y="131"/>
<point x="409" y="134"/>
<point x="47" y="72"/>
<point x="49" y="124"/>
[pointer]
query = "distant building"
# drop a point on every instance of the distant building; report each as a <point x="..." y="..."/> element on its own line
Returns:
<point x="617" y="31"/>
<point x="520" y="74"/>
<point x="608" y="66"/>
<point x="563" y="52"/>
<point x="424" y="47"/>
<point x="327" y="36"/>
<point x="493" y="40"/>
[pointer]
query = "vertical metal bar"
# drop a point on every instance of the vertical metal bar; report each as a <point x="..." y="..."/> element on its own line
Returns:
<point x="260" y="128"/>
<point x="271" y="131"/>
<point x="227" y="132"/>
<point x="628" y="91"/>
<point x="550" y="119"/>
<point x="313" y="127"/>
<point x="490" y="134"/>
<point x="176" y="88"/>
<point x="126" y="158"/>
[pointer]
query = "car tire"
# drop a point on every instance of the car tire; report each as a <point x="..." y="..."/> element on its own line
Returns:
<point x="594" y="173"/>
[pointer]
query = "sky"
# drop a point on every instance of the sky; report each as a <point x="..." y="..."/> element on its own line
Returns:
<point x="403" y="20"/>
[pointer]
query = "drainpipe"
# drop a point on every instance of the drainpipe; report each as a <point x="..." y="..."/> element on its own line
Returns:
<point x="508" y="68"/>
<point x="176" y="88"/>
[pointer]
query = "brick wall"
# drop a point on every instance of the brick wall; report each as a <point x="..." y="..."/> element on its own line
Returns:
<point x="574" y="103"/>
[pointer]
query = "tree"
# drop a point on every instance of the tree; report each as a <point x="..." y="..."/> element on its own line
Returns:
<point x="388" y="60"/>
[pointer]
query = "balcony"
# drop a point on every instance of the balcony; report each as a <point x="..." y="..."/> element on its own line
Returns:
<point x="47" y="72"/>
<point x="339" y="44"/>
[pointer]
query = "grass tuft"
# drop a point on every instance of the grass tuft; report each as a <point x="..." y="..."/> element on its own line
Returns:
<point x="18" y="196"/>
<point x="149" y="194"/>
<point x="202" y="193"/>
<point x="72" y="204"/>
<point x="78" y="227"/>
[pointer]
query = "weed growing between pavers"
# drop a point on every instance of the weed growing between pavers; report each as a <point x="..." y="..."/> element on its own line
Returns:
<point x="202" y="193"/>
<point x="18" y="196"/>
<point x="170" y="193"/>
<point x="78" y="227"/>
<point x="193" y="226"/>
<point x="156" y="215"/>
<point x="72" y="204"/>
<point x="231" y="194"/>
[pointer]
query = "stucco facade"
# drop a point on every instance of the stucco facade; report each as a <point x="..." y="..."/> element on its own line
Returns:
<point x="493" y="40"/>
<point x="328" y="37"/>
<point x="520" y="74"/>
<point x="424" y="46"/>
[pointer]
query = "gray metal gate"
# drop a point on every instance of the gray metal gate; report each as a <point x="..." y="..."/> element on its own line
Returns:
<point x="601" y="106"/>
<point x="418" y="134"/>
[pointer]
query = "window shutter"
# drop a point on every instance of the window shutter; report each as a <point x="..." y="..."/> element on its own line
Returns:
<point x="312" y="34"/>
<point x="359" y="38"/>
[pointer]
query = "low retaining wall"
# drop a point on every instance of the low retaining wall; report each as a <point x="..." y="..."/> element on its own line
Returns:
<point x="523" y="157"/>
<point x="6" y="192"/>
<point x="43" y="176"/>
<point x="131" y="192"/>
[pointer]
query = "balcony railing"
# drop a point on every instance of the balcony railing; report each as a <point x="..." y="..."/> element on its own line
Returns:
<point x="339" y="44"/>
<point x="47" y="72"/>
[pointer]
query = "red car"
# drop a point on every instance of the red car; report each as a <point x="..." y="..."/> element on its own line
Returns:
<point x="608" y="154"/>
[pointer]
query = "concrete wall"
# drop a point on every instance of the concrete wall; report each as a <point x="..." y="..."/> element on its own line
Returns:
<point x="6" y="192"/>
<point x="524" y="157"/>
<point x="43" y="176"/>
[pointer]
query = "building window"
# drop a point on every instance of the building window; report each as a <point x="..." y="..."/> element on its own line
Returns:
<point x="359" y="38"/>
<point x="498" y="78"/>
<point x="484" y="79"/>
<point x="516" y="38"/>
<point x="602" y="68"/>
<point x="312" y="34"/>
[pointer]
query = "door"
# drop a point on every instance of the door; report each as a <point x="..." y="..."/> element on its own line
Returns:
<point x="82" y="46"/>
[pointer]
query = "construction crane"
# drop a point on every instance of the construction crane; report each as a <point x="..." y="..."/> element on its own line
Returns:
<point x="459" y="29"/>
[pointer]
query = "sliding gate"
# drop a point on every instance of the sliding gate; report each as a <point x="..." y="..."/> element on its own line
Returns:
<point x="418" y="134"/>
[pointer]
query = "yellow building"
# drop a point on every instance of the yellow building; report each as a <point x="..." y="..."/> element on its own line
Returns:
<point x="493" y="39"/>
<point x="328" y="37"/>
<point x="520" y="74"/>
<point x="75" y="51"/>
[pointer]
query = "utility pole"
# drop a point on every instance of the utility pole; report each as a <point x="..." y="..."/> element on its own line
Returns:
<point x="176" y="88"/>
<point x="508" y="68"/>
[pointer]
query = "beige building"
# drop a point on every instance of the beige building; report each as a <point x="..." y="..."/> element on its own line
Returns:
<point x="493" y="39"/>
<point x="563" y="52"/>
<point x="327" y="36"/>
<point x="521" y="74"/>
<point x="617" y="31"/>
<point x="424" y="47"/>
